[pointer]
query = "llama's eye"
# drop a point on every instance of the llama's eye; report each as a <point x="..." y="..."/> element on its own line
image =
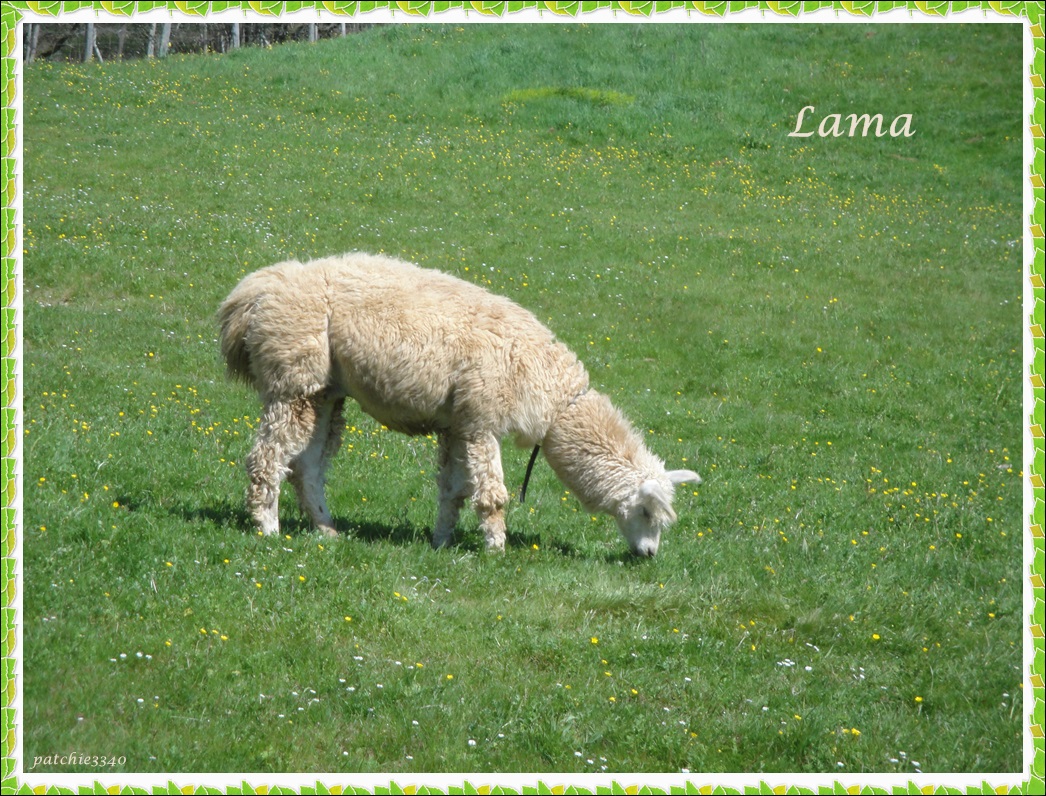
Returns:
<point x="646" y="512"/>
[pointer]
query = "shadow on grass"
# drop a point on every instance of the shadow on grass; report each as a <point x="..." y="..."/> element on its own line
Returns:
<point x="570" y="550"/>
<point x="625" y="558"/>
<point x="402" y="534"/>
<point x="233" y="515"/>
<point x="224" y="514"/>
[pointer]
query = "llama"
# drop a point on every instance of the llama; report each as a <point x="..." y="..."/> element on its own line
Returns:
<point x="424" y="352"/>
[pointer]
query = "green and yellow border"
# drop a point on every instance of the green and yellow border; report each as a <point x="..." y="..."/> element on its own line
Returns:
<point x="1028" y="13"/>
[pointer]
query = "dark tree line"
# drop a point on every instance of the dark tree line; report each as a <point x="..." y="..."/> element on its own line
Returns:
<point x="114" y="41"/>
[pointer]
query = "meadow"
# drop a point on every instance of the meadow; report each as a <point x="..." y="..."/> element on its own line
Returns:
<point x="827" y="329"/>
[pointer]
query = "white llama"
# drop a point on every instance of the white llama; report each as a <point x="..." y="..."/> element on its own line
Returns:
<point x="424" y="352"/>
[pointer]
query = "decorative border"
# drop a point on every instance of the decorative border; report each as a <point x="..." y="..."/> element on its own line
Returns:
<point x="1029" y="13"/>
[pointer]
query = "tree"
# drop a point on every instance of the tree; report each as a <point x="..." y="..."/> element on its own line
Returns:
<point x="165" y="40"/>
<point x="32" y="42"/>
<point x="89" y="45"/>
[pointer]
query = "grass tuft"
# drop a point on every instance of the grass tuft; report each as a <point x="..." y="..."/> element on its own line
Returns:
<point x="594" y="96"/>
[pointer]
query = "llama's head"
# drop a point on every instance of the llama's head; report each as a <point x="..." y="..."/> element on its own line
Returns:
<point x="600" y="457"/>
<point x="648" y="511"/>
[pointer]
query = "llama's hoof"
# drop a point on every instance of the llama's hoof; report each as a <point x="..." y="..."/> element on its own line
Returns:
<point x="439" y="542"/>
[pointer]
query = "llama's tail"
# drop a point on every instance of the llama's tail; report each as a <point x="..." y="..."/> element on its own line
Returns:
<point x="234" y="318"/>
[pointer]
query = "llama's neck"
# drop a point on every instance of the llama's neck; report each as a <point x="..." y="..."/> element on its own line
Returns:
<point x="595" y="451"/>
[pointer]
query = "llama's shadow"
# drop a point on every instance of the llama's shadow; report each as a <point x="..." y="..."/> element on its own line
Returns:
<point x="624" y="558"/>
<point x="234" y="516"/>
<point x="224" y="514"/>
<point x="401" y="534"/>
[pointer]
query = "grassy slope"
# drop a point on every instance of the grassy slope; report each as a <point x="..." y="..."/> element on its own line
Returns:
<point x="828" y="330"/>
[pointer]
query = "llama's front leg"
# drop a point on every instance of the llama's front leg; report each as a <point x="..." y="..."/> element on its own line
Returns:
<point x="453" y="488"/>
<point x="283" y="434"/>
<point x="309" y="468"/>
<point x="489" y="496"/>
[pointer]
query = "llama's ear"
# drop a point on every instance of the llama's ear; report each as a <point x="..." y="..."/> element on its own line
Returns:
<point x="653" y="496"/>
<point x="683" y="477"/>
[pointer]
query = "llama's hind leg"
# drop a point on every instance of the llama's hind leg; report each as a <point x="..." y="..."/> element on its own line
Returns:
<point x="309" y="468"/>
<point x="285" y="430"/>
<point x="453" y="488"/>
<point x="487" y="481"/>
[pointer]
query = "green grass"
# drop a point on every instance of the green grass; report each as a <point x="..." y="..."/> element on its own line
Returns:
<point x="828" y="330"/>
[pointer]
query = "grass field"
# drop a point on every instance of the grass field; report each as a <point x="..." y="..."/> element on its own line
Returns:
<point x="827" y="329"/>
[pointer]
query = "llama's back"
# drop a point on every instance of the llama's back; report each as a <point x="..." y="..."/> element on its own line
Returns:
<point x="418" y="349"/>
<point x="422" y="350"/>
